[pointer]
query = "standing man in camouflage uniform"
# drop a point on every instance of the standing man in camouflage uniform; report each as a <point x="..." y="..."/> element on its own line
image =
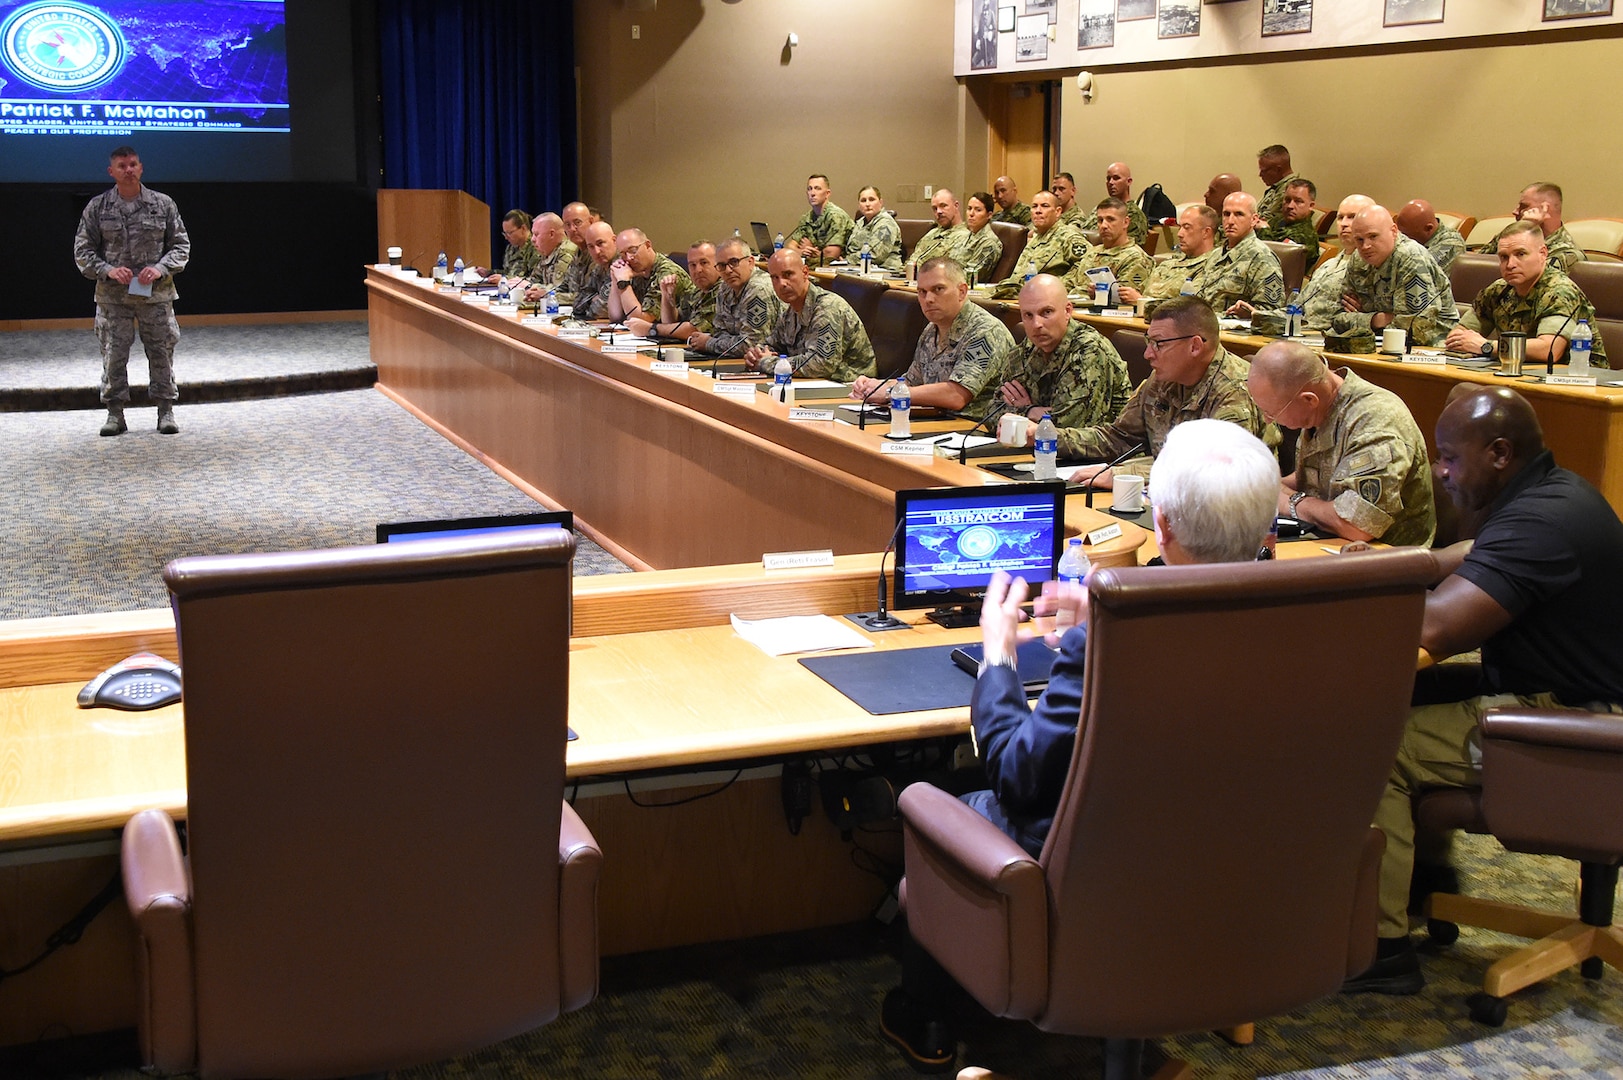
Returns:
<point x="1197" y="233"/>
<point x="1394" y="282"/>
<point x="818" y="331"/>
<point x="1063" y="187"/>
<point x="1053" y="247"/>
<point x="592" y="299"/>
<point x="1130" y="263"/>
<point x="822" y="232"/>
<point x="131" y="243"/>
<point x="948" y="237"/>
<point x="1533" y="297"/>
<point x="1119" y="185"/>
<point x="746" y="307"/>
<point x="1361" y="467"/>
<point x="1009" y="206"/>
<point x="1064" y="367"/>
<point x="685" y="307"/>
<point x="959" y="358"/>
<point x="1296" y="223"/>
<point x="1244" y="270"/>
<point x="553" y="250"/>
<point x="1419" y="222"/>
<point x="637" y="272"/>
<point x="1194" y="377"/>
<point x="1274" y="169"/>
<point x="1541" y="203"/>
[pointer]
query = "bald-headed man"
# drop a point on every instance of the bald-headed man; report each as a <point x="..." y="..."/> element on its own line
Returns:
<point x="1322" y="293"/>
<point x="637" y="272"/>
<point x="1119" y="185"/>
<point x="1009" y="207"/>
<point x="1064" y="367"/>
<point x="1052" y="248"/>
<point x="577" y="218"/>
<point x="1394" y="282"/>
<point x="1541" y="203"/>
<point x="1538" y="591"/>
<point x="1221" y="187"/>
<point x="949" y="236"/>
<point x="1274" y="169"/>
<point x="553" y="247"/>
<point x="591" y="301"/>
<point x="1419" y="222"/>
<point x="1361" y="468"/>
<point x="746" y="307"/>
<point x="1185" y="270"/>
<point x="1532" y="297"/>
<point x="1245" y="270"/>
<point x="817" y="330"/>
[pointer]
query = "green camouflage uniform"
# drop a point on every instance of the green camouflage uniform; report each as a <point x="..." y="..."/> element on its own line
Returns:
<point x="1322" y="293"/>
<point x="1564" y="251"/>
<point x="1446" y="244"/>
<point x="1083" y="383"/>
<point x="1300" y="232"/>
<point x="519" y="262"/>
<point x="743" y="319"/>
<point x="1271" y="207"/>
<point x="1018" y="214"/>
<point x="1074" y="217"/>
<point x="592" y="297"/>
<point x="694" y="305"/>
<point x="1138" y="226"/>
<point x="1053" y="252"/>
<point x="1248" y="271"/>
<point x="827" y="328"/>
<point x="1168" y="277"/>
<point x="550" y="269"/>
<point x="972" y="356"/>
<point x="1554" y="306"/>
<point x="1410" y="285"/>
<point x="830" y="228"/>
<point x="646" y="286"/>
<point x="981" y="251"/>
<point x="1130" y="263"/>
<point x="1369" y="461"/>
<point x="939" y="242"/>
<point x="572" y="278"/>
<point x="1157" y="407"/>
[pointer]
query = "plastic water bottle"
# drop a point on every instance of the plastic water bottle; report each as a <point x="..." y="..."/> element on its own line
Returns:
<point x="1189" y="287"/>
<point x="442" y="269"/>
<point x="1073" y="567"/>
<point x="1031" y="272"/>
<point x="456" y="273"/>
<point x="1583" y="341"/>
<point x="552" y="300"/>
<point x="737" y="235"/>
<point x="783" y="382"/>
<point x="901" y="410"/>
<point x="777" y="242"/>
<point x="1047" y="450"/>
<point x="1293" y="314"/>
<point x="504" y="292"/>
<point x="867" y="259"/>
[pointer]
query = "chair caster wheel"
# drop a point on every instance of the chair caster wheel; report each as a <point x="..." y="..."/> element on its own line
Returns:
<point x="1487" y="1009"/>
<point x="1443" y="933"/>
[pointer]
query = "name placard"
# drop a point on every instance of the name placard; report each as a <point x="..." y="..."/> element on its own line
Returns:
<point x="794" y="560"/>
<point x="1103" y="533"/>
<point x="811" y="414"/>
<point x="1422" y="360"/>
<point x="907" y="449"/>
<point x="669" y="367"/>
<point x="1570" y="380"/>
<point x="741" y="391"/>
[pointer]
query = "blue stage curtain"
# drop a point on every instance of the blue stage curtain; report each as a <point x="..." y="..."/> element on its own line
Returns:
<point x="480" y="97"/>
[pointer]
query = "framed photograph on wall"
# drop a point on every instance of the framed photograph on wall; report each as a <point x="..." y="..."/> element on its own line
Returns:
<point x="1178" y="18"/>
<point x="1005" y="20"/>
<point x="983" y="36"/>
<point x="1049" y="8"/>
<point x="1031" y="38"/>
<point x="1412" y="12"/>
<point x="1128" y="10"/>
<point x="1286" y="17"/>
<point x="1095" y="24"/>
<point x="1575" y="9"/>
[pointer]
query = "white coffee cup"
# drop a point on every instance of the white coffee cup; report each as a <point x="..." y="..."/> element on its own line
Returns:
<point x="1127" y="494"/>
<point x="1012" y="428"/>
<point x="1393" y="341"/>
<point x="674" y="355"/>
<point x="394" y="257"/>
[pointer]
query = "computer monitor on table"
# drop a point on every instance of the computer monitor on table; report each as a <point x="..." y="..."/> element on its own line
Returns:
<point x="445" y="528"/>
<point x="951" y="540"/>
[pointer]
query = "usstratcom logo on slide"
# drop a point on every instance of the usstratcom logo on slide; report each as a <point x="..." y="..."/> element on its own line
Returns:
<point x="62" y="46"/>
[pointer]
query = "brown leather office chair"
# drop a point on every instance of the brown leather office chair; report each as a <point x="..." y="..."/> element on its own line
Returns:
<point x="1014" y="242"/>
<point x="1130" y="344"/>
<point x="861" y="293"/>
<point x="1597" y="234"/>
<point x="375" y="767"/>
<point x="1292" y="263"/>
<point x="1486" y="229"/>
<point x="1552" y="784"/>
<point x="913" y="230"/>
<point x="897" y="323"/>
<point x="1461" y="223"/>
<point x="1470" y="273"/>
<point x="1211" y="860"/>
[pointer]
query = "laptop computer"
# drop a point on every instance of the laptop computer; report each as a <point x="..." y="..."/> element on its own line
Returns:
<point x="763" y="237"/>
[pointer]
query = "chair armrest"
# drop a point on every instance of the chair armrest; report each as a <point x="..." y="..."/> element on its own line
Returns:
<point x="976" y="901"/>
<point x="1572" y="729"/>
<point x="157" y="888"/>
<point x="1552" y="782"/>
<point x="580" y="864"/>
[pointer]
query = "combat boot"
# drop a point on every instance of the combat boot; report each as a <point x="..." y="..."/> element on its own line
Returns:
<point x="114" y="424"/>
<point x="166" y="419"/>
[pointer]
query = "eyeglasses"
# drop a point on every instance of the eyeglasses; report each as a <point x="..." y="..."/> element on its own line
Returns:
<point x="728" y="264"/>
<point x="626" y="253"/>
<point x="1161" y="343"/>
<point x="1273" y="416"/>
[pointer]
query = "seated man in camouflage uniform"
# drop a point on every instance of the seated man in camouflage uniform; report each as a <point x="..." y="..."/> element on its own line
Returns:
<point x="1063" y="187"/>
<point x="1274" y="170"/>
<point x="1541" y="204"/>
<point x="958" y="361"/>
<point x="577" y="219"/>
<point x="1532" y="296"/>
<point x="1052" y="248"/>
<point x="1064" y="367"/>
<point x="1197" y="234"/>
<point x="1219" y="188"/>
<point x="822" y="231"/>
<point x="1361" y="467"/>
<point x="1296" y="219"/>
<point x="1418" y="221"/>
<point x="591" y="299"/>
<point x="1009" y="206"/>
<point x="1322" y="293"/>
<point x="637" y="274"/>
<point x="1119" y="185"/>
<point x="948" y="237"/>
<point x="685" y="307"/>
<point x="1130" y="263"/>
<point x="818" y="331"/>
<point x="746" y="308"/>
<point x="1393" y="281"/>
<point x="1244" y="270"/>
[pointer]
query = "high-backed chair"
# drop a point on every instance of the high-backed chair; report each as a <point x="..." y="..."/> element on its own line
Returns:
<point x="1293" y="263"/>
<point x="1014" y="242"/>
<point x="861" y="293"/>
<point x="897" y="323"/>
<point x="1211" y="860"/>
<point x="1460" y="223"/>
<point x="1470" y="273"/>
<point x="1597" y="234"/>
<point x="1552" y="784"/>
<point x="1486" y="229"/>
<point x="1008" y="316"/>
<point x="1130" y="344"/>
<point x="1602" y="283"/>
<point x="913" y="230"/>
<point x="380" y="868"/>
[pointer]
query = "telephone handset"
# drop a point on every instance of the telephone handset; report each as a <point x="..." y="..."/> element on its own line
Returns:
<point x="136" y="683"/>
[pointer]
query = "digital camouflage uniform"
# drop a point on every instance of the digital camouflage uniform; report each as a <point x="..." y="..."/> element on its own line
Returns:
<point x="1084" y="383"/>
<point x="827" y="328"/>
<point x="646" y="286"/>
<point x="521" y="261"/>
<point x="972" y="356"/>
<point x="1322" y="293"/>
<point x="883" y="237"/>
<point x="1248" y="271"/>
<point x="592" y="297"/>
<point x="141" y="232"/>
<point x="572" y="279"/>
<point x="1138" y="226"/>
<point x="1564" y="251"/>
<point x="550" y="269"/>
<point x="1271" y="207"/>
<point x="1168" y="277"/>
<point x="1018" y="214"/>
<point x="1157" y="407"/>
<point x="1410" y="285"/>
<point x="1445" y="245"/>
<point x="743" y="319"/>
<point x="694" y="305"/>
<point x="1053" y="252"/>
<point x="1369" y="461"/>
<point x="1129" y="262"/>
<point x="981" y="251"/>
<point x="1553" y="306"/>
<point x="939" y="242"/>
<point x="830" y="228"/>
<point x="1300" y="232"/>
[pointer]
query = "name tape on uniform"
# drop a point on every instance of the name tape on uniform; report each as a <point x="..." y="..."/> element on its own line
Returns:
<point x="907" y="449"/>
<point x="794" y="560"/>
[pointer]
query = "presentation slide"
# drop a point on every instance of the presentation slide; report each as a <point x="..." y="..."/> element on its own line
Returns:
<point x="207" y="76"/>
<point x="951" y="545"/>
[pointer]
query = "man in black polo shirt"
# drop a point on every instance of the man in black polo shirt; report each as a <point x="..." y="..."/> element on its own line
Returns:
<point x="1539" y="592"/>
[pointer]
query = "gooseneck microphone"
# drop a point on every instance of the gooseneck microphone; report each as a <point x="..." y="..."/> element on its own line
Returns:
<point x="862" y="416"/>
<point x="1549" y="358"/>
<point x="881" y="618"/>
<point x="1123" y="456"/>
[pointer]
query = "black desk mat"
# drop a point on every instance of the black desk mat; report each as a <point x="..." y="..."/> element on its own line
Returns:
<point x="896" y="680"/>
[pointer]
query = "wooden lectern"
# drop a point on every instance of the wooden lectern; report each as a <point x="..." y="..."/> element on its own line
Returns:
<point x="424" y="223"/>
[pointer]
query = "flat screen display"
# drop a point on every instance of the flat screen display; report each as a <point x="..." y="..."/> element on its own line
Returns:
<point x="448" y="528"/>
<point x="953" y="539"/>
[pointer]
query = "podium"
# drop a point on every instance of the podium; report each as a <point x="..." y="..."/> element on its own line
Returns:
<point x="423" y="223"/>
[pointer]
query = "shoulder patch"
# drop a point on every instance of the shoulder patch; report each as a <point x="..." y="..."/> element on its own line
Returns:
<point x="1369" y="489"/>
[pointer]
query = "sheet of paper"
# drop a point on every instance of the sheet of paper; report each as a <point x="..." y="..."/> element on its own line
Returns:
<point x="799" y="634"/>
<point x="138" y="289"/>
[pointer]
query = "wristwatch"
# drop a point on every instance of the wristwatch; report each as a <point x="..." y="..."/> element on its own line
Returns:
<point x="626" y="284"/>
<point x="1489" y="348"/>
<point x="1296" y="498"/>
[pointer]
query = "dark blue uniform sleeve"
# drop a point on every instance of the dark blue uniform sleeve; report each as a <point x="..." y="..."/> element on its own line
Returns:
<point x="1027" y="752"/>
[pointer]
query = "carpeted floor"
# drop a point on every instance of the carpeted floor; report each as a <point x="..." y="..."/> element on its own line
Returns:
<point x="90" y="521"/>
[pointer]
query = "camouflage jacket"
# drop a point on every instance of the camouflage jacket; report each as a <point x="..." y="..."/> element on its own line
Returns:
<point x="1322" y="293"/>
<point x="1410" y="285"/>
<point x="972" y="356"/>
<point x="1271" y="207"/>
<point x="592" y="297"/>
<point x="828" y="331"/>
<point x="1445" y="245"/>
<point x="981" y="251"/>
<point x="646" y="286"/>
<point x="145" y="231"/>
<point x="1018" y="214"/>
<point x="1553" y="306"/>
<point x="1301" y="232"/>
<point x="1083" y="383"/>
<point x="883" y="237"/>
<point x="694" y="305"/>
<point x="1248" y="271"/>
<point x="520" y="261"/>
<point x="550" y="269"/>
<point x="1053" y="252"/>
<point x="830" y="228"/>
<point x="572" y="279"/>
<point x="1131" y="265"/>
<point x="743" y="319"/>
<point x="939" y="242"/>
<point x="1168" y="277"/>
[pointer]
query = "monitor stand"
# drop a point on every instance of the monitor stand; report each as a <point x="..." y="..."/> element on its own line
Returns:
<point x="956" y="617"/>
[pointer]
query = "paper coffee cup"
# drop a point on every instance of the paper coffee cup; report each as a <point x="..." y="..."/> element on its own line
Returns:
<point x="1127" y="494"/>
<point x="1011" y="429"/>
<point x="394" y="256"/>
<point x="1393" y="341"/>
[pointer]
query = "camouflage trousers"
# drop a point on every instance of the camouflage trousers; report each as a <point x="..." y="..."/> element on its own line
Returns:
<point x="116" y="327"/>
